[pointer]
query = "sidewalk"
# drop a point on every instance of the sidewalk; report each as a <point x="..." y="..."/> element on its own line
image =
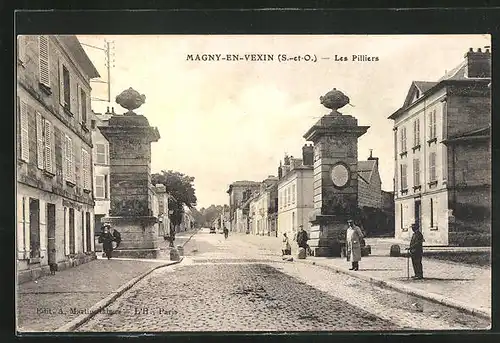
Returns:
<point x="54" y="301"/>
<point x="463" y="286"/>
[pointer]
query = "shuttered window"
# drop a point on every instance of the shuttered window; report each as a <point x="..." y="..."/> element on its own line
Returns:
<point x="49" y="147"/>
<point x="100" y="150"/>
<point x="83" y="106"/>
<point x="66" y="88"/>
<point x="416" y="132"/>
<point x="404" y="184"/>
<point x="403" y="139"/>
<point x="432" y="167"/>
<point x="69" y="160"/>
<point x="86" y="169"/>
<point x="416" y="172"/>
<point x="100" y="187"/>
<point x="24" y="132"/>
<point x="40" y="146"/>
<point x="43" y="60"/>
<point x="432" y="124"/>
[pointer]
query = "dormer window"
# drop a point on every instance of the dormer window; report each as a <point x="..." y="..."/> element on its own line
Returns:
<point x="417" y="95"/>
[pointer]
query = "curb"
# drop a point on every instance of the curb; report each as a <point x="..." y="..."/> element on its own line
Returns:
<point x="408" y="290"/>
<point x="82" y="319"/>
<point x="194" y="233"/>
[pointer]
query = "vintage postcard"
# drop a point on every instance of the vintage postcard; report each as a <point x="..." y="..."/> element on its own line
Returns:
<point x="262" y="183"/>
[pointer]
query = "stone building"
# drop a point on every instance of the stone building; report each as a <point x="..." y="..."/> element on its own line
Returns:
<point x="238" y="192"/>
<point x="101" y="172"/>
<point x="369" y="183"/>
<point x="442" y="154"/>
<point x="55" y="206"/>
<point x="263" y="205"/>
<point x="295" y="192"/>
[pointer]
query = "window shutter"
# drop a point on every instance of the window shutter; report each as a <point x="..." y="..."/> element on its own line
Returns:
<point x="73" y="165"/>
<point x="61" y="83"/>
<point x="66" y="231"/>
<point x="78" y="102"/>
<point x="44" y="60"/>
<point x="49" y="140"/>
<point x="24" y="132"/>
<point x="39" y="140"/>
<point x="85" y="168"/>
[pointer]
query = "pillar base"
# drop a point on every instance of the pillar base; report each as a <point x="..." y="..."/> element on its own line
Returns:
<point x="327" y="236"/>
<point x="140" y="236"/>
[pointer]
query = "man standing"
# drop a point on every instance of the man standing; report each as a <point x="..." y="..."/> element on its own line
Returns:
<point x="302" y="238"/>
<point x="416" y="252"/>
<point x="226" y="232"/>
<point x="353" y="239"/>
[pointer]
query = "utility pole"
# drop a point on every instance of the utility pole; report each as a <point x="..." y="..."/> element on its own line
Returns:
<point x="108" y="63"/>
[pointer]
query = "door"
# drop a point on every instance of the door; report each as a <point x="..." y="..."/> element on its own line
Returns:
<point x="418" y="213"/>
<point x="72" y="231"/>
<point x="51" y="232"/>
<point x="34" y="228"/>
<point x="90" y="235"/>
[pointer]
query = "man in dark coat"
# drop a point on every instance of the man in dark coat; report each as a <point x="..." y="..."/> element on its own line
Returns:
<point x="117" y="237"/>
<point x="416" y="251"/>
<point x="106" y="238"/>
<point x="302" y="238"/>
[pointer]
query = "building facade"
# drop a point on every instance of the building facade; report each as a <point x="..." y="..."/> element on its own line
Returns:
<point x="369" y="183"/>
<point x="101" y="171"/>
<point x="55" y="206"/>
<point x="441" y="128"/>
<point x="238" y="192"/>
<point x="295" y="192"/>
<point x="263" y="205"/>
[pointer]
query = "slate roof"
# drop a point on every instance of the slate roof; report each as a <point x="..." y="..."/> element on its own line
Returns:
<point x="366" y="169"/>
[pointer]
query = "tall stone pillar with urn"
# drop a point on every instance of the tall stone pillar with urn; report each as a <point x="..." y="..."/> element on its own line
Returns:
<point x="335" y="186"/>
<point x="131" y="191"/>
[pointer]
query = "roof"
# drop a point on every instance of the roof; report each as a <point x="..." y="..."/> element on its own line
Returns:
<point x="81" y="57"/>
<point x="480" y="133"/>
<point x="366" y="169"/>
<point x="426" y="88"/>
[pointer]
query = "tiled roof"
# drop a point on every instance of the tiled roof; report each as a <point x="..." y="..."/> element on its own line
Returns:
<point x="365" y="170"/>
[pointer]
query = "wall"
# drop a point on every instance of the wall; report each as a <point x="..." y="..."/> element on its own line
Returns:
<point x="370" y="194"/>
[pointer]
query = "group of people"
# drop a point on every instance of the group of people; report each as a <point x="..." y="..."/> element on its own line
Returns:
<point x="354" y="238"/>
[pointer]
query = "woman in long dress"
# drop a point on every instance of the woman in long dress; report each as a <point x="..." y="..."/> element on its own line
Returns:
<point x="353" y="239"/>
<point x="286" y="248"/>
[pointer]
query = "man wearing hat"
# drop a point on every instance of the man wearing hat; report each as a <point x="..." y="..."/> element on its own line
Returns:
<point x="107" y="238"/>
<point x="353" y="239"/>
<point x="416" y="252"/>
<point x="302" y="238"/>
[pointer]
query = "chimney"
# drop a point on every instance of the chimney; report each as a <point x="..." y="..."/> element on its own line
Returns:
<point x="280" y="171"/>
<point x="478" y="63"/>
<point x="107" y="110"/>
<point x="308" y="155"/>
<point x="287" y="160"/>
<point x="371" y="158"/>
<point x="113" y="110"/>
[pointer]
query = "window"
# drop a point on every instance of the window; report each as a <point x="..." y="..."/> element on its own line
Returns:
<point x="432" y="167"/>
<point x="403" y="140"/>
<point x="404" y="184"/>
<point x="69" y="167"/>
<point x="21" y="48"/>
<point x="432" y="212"/>
<point x="34" y="239"/>
<point x="416" y="172"/>
<point x="72" y="230"/>
<point x="432" y="124"/>
<point x="39" y="141"/>
<point x="92" y="124"/>
<point x="45" y="145"/>
<point x="401" y="215"/>
<point x="101" y="153"/>
<point x="85" y="169"/>
<point x="293" y="194"/>
<point x="24" y="131"/>
<point x="49" y="146"/>
<point x="83" y="106"/>
<point x="100" y="186"/>
<point x="44" y="60"/>
<point x="66" y="88"/>
<point x="416" y="132"/>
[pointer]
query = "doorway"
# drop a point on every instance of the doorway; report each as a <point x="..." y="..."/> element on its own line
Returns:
<point x="51" y="232"/>
<point x="72" y="231"/>
<point x="90" y="237"/>
<point x="34" y="228"/>
<point x="418" y="212"/>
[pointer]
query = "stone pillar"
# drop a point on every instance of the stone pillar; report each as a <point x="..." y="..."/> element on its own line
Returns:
<point x="335" y="184"/>
<point x="131" y="191"/>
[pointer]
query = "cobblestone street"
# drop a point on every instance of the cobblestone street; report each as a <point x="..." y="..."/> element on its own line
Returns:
<point x="228" y="285"/>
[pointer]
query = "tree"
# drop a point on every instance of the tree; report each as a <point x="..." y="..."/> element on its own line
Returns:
<point x="181" y="189"/>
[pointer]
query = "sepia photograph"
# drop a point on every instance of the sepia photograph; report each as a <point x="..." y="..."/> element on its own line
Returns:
<point x="253" y="183"/>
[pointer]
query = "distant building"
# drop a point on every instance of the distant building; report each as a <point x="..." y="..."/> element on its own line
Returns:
<point x="442" y="154"/>
<point x="295" y="192"/>
<point x="55" y="205"/>
<point x="369" y="183"/>
<point x="263" y="205"/>
<point x="239" y="191"/>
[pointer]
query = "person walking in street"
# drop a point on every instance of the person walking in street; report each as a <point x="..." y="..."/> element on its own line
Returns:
<point x="286" y="248"/>
<point x="302" y="238"/>
<point x="353" y="239"/>
<point x="117" y="237"/>
<point x="416" y="252"/>
<point x="106" y="238"/>
<point x="226" y="232"/>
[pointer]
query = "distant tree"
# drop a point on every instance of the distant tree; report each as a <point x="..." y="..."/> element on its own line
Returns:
<point x="181" y="188"/>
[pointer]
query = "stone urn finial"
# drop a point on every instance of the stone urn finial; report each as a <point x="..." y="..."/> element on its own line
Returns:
<point x="334" y="100"/>
<point x="130" y="99"/>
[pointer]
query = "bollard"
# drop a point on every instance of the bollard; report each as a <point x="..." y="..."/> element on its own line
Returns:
<point x="301" y="254"/>
<point x="180" y="249"/>
<point x="174" y="255"/>
<point x="395" y="251"/>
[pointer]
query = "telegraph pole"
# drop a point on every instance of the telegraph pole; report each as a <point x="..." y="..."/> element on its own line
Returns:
<point x="109" y="64"/>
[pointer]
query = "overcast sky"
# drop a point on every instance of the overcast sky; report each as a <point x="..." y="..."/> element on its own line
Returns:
<point x="226" y="121"/>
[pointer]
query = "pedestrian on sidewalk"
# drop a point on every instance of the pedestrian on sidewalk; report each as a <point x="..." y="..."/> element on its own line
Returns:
<point x="226" y="232"/>
<point x="302" y="238"/>
<point x="353" y="238"/>
<point x="286" y="248"/>
<point x="106" y="238"/>
<point x="416" y="252"/>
